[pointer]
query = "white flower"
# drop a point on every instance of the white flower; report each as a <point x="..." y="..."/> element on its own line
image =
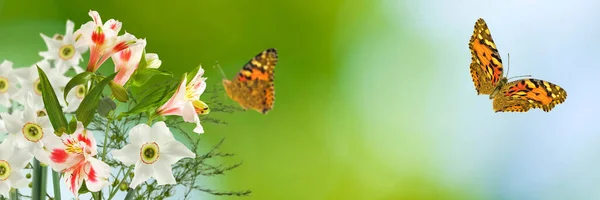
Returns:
<point x="153" y="61"/>
<point x="11" y="163"/>
<point x="30" y="82"/>
<point x="8" y="83"/>
<point x="153" y="150"/>
<point x="186" y="101"/>
<point x="74" y="156"/>
<point x="63" y="50"/>
<point x="29" y="130"/>
<point x="74" y="98"/>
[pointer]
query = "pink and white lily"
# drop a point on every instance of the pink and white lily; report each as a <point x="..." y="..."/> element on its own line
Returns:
<point x="127" y="60"/>
<point x="102" y="39"/>
<point x="186" y="101"/>
<point x="74" y="156"/>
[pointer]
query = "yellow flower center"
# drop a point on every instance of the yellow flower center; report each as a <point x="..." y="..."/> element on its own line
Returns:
<point x="66" y="52"/>
<point x="80" y="91"/>
<point x="149" y="152"/>
<point x="4" y="170"/>
<point x="37" y="87"/>
<point x="3" y="84"/>
<point x="32" y="132"/>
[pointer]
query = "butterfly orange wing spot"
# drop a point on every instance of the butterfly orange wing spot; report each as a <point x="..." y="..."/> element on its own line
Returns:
<point x="486" y="64"/>
<point x="529" y="93"/>
<point x="254" y="85"/>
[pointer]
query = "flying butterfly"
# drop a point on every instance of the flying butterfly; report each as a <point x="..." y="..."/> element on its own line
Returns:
<point x="253" y="87"/>
<point x="516" y="96"/>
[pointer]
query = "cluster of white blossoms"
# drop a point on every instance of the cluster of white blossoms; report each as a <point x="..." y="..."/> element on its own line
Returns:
<point x="30" y="134"/>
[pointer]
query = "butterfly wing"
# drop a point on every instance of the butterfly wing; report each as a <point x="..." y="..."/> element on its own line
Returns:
<point x="486" y="65"/>
<point x="254" y="87"/>
<point x="522" y="95"/>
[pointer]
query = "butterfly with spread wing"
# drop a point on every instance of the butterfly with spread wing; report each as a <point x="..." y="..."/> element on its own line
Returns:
<point x="516" y="96"/>
<point x="254" y="87"/>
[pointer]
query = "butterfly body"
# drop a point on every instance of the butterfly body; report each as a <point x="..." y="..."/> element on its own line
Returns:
<point x="253" y="87"/>
<point x="515" y="96"/>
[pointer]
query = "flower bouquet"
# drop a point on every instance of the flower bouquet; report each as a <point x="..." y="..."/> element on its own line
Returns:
<point x="104" y="135"/>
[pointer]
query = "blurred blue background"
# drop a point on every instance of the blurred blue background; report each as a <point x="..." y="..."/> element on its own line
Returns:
<point x="374" y="97"/>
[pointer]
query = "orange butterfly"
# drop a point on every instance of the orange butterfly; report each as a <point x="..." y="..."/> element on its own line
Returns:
<point x="516" y="96"/>
<point x="253" y="86"/>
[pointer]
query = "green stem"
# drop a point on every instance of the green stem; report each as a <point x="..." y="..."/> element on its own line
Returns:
<point x="56" y="184"/>
<point x="104" y="148"/>
<point x="37" y="180"/>
<point x="44" y="181"/>
<point x="115" y="189"/>
<point x="129" y="194"/>
<point x="14" y="194"/>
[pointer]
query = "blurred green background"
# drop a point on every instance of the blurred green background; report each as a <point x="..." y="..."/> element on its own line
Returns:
<point x="373" y="98"/>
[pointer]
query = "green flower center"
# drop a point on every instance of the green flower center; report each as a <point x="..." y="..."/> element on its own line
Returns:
<point x="4" y="170"/>
<point x="3" y="84"/>
<point x="37" y="87"/>
<point x="32" y="132"/>
<point x="149" y="152"/>
<point x="80" y="91"/>
<point x="66" y="52"/>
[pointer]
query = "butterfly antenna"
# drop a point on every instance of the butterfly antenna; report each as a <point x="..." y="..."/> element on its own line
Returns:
<point x="519" y="76"/>
<point x="508" y="66"/>
<point x="220" y="69"/>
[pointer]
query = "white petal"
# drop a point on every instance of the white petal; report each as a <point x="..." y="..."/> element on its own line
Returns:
<point x="128" y="155"/>
<point x="138" y="135"/>
<point x="174" y="151"/>
<point x="4" y="100"/>
<point x="40" y="154"/>
<point x="17" y="180"/>
<point x="142" y="173"/>
<point x="12" y="122"/>
<point x="160" y="133"/>
<point x="6" y="149"/>
<point x="70" y="27"/>
<point x="199" y="128"/>
<point x="78" y="69"/>
<point x="102" y="171"/>
<point x="163" y="173"/>
<point x="2" y="127"/>
<point x="188" y="111"/>
<point x="4" y="188"/>
<point x="20" y="159"/>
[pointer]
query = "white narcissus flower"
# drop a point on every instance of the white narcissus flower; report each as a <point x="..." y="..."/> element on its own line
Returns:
<point x="63" y="50"/>
<point x="8" y="83"/>
<point x="186" y="101"/>
<point x="73" y="155"/>
<point x="11" y="163"/>
<point x="30" y="82"/>
<point x="153" y="150"/>
<point x="127" y="60"/>
<point x="153" y="61"/>
<point x="30" y="130"/>
<point x="102" y="39"/>
<point x="74" y="98"/>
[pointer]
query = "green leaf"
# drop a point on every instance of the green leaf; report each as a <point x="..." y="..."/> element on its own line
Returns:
<point x="105" y="106"/>
<point x="153" y="99"/>
<point x="77" y="80"/>
<point x="73" y="125"/>
<point x="53" y="108"/>
<point x="87" y="108"/>
<point x="118" y="92"/>
<point x="143" y="63"/>
<point x="193" y="73"/>
<point x="141" y="76"/>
